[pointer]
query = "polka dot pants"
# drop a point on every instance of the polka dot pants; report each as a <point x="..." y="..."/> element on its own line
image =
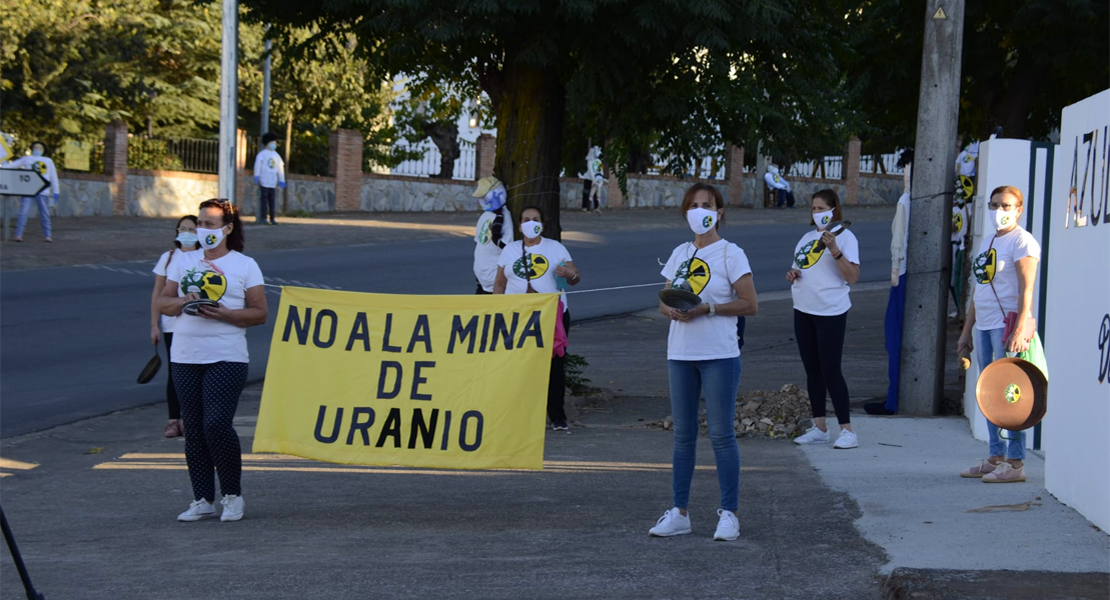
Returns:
<point x="209" y="395"/>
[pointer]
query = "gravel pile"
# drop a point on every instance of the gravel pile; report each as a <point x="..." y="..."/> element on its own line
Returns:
<point x="785" y="413"/>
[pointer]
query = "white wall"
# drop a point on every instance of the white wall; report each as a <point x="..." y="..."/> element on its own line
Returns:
<point x="1077" y="432"/>
<point x="1005" y="162"/>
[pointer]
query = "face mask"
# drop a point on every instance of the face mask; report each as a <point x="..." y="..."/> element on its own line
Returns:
<point x="701" y="220"/>
<point x="36" y="152"/>
<point x="210" y="238"/>
<point x="188" y="239"/>
<point x="822" y="219"/>
<point x="531" y="229"/>
<point x="271" y="146"/>
<point x="1002" y="220"/>
<point x="494" y="199"/>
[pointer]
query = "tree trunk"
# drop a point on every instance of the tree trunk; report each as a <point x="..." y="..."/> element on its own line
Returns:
<point x="445" y="136"/>
<point x="529" y="140"/>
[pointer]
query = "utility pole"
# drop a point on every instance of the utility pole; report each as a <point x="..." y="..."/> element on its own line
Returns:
<point x="929" y="264"/>
<point x="229" y="99"/>
<point x="265" y="128"/>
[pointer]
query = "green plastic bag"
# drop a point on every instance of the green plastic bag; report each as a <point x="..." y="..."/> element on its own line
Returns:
<point x="1034" y="354"/>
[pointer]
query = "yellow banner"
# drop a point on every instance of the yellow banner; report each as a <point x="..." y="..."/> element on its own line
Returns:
<point x="457" y="382"/>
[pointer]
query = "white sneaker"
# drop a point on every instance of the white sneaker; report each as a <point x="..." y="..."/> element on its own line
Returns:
<point x="813" y="435"/>
<point x="233" y="508"/>
<point x="846" y="440"/>
<point x="198" y="509"/>
<point x="728" y="527"/>
<point x="671" y="523"/>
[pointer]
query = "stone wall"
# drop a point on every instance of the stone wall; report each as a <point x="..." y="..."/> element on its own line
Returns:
<point x="303" y="193"/>
<point x="84" y="195"/>
<point x="880" y="189"/>
<point x="168" y="193"/>
<point x="390" y="193"/>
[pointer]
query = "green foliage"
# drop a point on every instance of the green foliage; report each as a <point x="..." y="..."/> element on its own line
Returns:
<point x="1022" y="63"/>
<point x="576" y="382"/>
<point x="143" y="153"/>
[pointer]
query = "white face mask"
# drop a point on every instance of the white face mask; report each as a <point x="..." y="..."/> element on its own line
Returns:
<point x="210" y="238"/>
<point x="823" y="219"/>
<point x="1003" y="220"/>
<point x="701" y="220"/>
<point x="271" y="146"/>
<point x="531" y="229"/>
<point x="187" y="239"/>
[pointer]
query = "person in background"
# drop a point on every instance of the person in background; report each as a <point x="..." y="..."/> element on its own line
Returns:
<point x="269" y="172"/>
<point x="896" y="303"/>
<point x="209" y="357"/>
<point x="186" y="241"/>
<point x="493" y="232"/>
<point x="43" y="165"/>
<point x="529" y="267"/>
<point x="703" y="356"/>
<point x="825" y="266"/>
<point x="1005" y="270"/>
<point x="775" y="181"/>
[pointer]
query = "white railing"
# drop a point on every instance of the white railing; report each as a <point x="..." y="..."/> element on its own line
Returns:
<point x="429" y="165"/>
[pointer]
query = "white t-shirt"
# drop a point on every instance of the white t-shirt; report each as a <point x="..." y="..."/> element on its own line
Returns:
<point x="965" y="163"/>
<point x="706" y="337"/>
<point x="959" y="225"/>
<point x="822" y="290"/>
<point x="775" y="181"/>
<point x="900" y="234"/>
<point x="486" y="250"/>
<point x="200" y="341"/>
<point x="160" y="269"/>
<point x="995" y="261"/>
<point x="544" y="257"/>
<point x="269" y="168"/>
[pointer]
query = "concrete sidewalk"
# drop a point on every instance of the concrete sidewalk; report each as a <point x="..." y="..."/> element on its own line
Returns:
<point x="92" y="505"/>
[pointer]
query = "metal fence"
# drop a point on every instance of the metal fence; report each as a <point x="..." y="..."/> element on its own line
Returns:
<point x="429" y="165"/>
<point x="174" y="154"/>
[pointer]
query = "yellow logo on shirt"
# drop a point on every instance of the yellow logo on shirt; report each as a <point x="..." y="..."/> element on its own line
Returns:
<point x="484" y="233"/>
<point x="39" y="167"/>
<point x="696" y="272"/>
<point x="209" y="285"/>
<point x="270" y="163"/>
<point x="984" y="266"/>
<point x="958" y="221"/>
<point x="808" y="256"/>
<point x="538" y="265"/>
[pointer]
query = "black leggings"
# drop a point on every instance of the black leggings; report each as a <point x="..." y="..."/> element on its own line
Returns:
<point x="171" y="392"/>
<point x="557" y="383"/>
<point x="209" y="396"/>
<point x="821" y="344"/>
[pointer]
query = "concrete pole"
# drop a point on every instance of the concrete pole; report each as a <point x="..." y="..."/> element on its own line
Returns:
<point x="229" y="99"/>
<point x="265" y="127"/>
<point x="929" y="268"/>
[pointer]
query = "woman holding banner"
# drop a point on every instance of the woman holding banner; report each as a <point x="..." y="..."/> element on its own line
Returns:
<point x="539" y="265"/>
<point x="703" y="356"/>
<point x="215" y="295"/>
<point x="1005" y="273"/>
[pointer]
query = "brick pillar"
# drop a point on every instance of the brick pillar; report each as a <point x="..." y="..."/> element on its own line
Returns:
<point x="613" y="185"/>
<point x="345" y="164"/>
<point x="242" y="199"/>
<point x="115" y="164"/>
<point x="485" y="152"/>
<point x="734" y="173"/>
<point x="851" y="171"/>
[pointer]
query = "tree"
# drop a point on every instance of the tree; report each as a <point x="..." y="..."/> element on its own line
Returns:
<point x="688" y="71"/>
<point x="1022" y="63"/>
<point x="434" y="114"/>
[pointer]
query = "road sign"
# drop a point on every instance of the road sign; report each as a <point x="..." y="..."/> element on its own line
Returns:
<point x="21" y="182"/>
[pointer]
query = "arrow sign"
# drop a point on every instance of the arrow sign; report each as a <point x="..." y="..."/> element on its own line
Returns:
<point x="21" y="182"/>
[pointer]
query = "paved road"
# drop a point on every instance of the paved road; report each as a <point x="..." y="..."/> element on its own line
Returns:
<point x="73" y="339"/>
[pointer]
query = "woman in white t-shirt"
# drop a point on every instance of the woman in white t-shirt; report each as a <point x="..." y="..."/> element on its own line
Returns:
<point x="531" y="266"/>
<point x="209" y="356"/>
<point x="703" y="356"/>
<point x="824" y="267"/>
<point x="1005" y="269"/>
<point x="186" y="241"/>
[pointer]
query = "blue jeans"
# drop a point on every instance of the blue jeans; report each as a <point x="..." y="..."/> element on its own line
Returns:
<point x="43" y="202"/>
<point x="989" y="346"/>
<point x="719" y="379"/>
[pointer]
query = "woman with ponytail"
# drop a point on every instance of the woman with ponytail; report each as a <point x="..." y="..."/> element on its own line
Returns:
<point x="186" y="241"/>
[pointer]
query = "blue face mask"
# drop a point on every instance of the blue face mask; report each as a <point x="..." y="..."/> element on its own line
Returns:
<point x="271" y="146"/>
<point x="36" y="152"/>
<point x="494" y="199"/>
